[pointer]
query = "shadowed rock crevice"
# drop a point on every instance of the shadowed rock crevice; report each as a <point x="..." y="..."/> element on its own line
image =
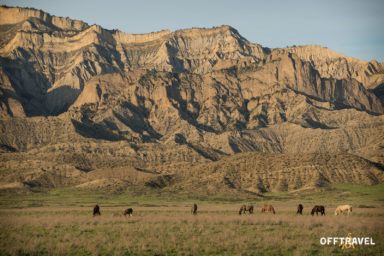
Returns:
<point x="379" y="92"/>
<point x="96" y="131"/>
<point x="160" y="181"/>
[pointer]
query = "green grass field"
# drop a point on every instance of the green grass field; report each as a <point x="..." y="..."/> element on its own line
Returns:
<point x="60" y="222"/>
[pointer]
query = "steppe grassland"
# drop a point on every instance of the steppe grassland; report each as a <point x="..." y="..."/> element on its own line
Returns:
<point x="172" y="230"/>
<point x="169" y="228"/>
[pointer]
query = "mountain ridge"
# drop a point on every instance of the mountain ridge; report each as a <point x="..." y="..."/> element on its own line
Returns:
<point x="183" y="98"/>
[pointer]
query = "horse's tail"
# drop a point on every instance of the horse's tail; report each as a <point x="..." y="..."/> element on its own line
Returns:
<point x="273" y="210"/>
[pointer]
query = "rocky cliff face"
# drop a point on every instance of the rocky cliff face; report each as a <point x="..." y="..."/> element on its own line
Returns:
<point x="192" y="95"/>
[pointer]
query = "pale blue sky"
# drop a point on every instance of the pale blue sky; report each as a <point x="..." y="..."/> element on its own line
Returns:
<point x="352" y="27"/>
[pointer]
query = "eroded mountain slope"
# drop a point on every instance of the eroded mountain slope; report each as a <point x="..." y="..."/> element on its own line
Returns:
<point x="162" y="100"/>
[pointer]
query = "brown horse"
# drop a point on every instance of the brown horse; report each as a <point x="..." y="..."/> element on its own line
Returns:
<point x="245" y="208"/>
<point x="300" y="209"/>
<point x="194" y="209"/>
<point x="317" y="209"/>
<point x="268" y="208"/>
<point x="96" y="210"/>
<point x="128" y="211"/>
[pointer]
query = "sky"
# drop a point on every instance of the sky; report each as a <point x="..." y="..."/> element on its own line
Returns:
<point x="352" y="27"/>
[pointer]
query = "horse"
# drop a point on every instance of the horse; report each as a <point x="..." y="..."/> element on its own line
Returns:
<point x="343" y="208"/>
<point x="268" y="208"/>
<point x="300" y="209"/>
<point x="96" y="210"/>
<point x="317" y="209"/>
<point x="128" y="211"/>
<point x="194" y="209"/>
<point x="245" y="208"/>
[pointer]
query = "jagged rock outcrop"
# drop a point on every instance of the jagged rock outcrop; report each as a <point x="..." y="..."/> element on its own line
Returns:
<point x="171" y="98"/>
<point x="16" y="15"/>
<point x="49" y="59"/>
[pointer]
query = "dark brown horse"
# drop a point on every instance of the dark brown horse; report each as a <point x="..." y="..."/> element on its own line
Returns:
<point x="194" y="209"/>
<point x="300" y="209"/>
<point x="96" y="210"/>
<point x="245" y="208"/>
<point x="317" y="209"/>
<point x="128" y="211"/>
<point x="268" y="208"/>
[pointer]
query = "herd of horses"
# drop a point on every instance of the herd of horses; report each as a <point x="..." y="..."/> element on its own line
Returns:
<point x="96" y="211"/>
<point x="249" y="208"/>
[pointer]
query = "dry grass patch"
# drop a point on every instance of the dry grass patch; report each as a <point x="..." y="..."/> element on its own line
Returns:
<point x="216" y="230"/>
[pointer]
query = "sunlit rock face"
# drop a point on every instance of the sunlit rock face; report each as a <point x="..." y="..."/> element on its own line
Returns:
<point x="188" y="96"/>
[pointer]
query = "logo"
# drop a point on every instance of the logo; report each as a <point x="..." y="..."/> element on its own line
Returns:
<point x="347" y="242"/>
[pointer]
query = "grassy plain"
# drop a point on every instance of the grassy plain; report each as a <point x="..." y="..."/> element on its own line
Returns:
<point x="60" y="222"/>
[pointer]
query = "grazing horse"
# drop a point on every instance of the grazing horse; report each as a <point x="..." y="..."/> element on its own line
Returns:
<point x="343" y="208"/>
<point x="245" y="208"/>
<point x="300" y="209"/>
<point x="317" y="209"/>
<point x="96" y="210"/>
<point x="128" y="211"/>
<point x="194" y="209"/>
<point x="268" y="208"/>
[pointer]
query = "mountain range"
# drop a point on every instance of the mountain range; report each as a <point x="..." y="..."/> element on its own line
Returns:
<point x="194" y="109"/>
